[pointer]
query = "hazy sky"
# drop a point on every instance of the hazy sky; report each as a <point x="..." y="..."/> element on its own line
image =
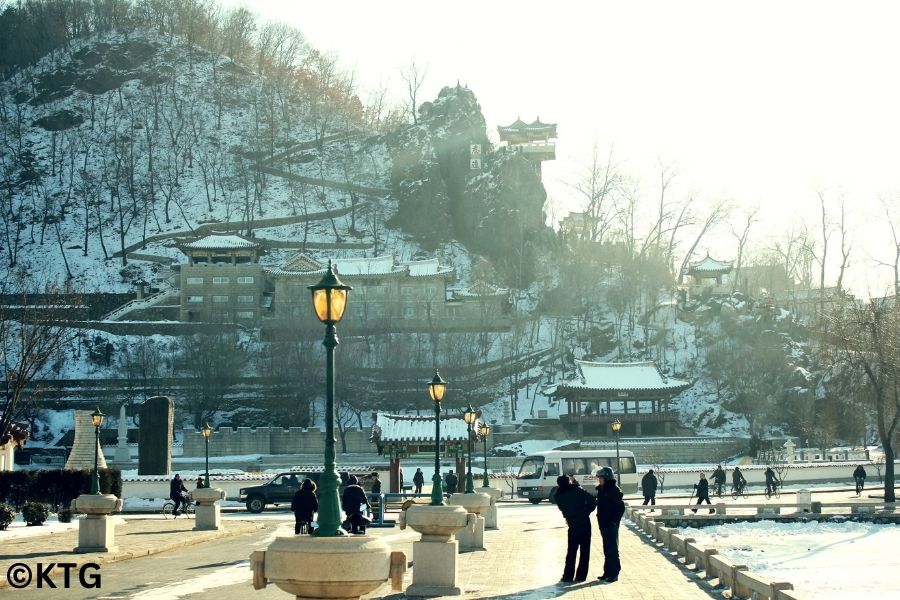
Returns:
<point x="758" y="103"/>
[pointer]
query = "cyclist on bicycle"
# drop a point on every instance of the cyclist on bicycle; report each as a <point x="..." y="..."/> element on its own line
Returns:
<point x="737" y="480"/>
<point x="178" y="493"/>
<point x="859" y="475"/>
<point x="771" y="481"/>
<point x="718" y="477"/>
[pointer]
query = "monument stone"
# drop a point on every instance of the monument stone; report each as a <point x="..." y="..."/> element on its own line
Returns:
<point x="85" y="445"/>
<point x="157" y="417"/>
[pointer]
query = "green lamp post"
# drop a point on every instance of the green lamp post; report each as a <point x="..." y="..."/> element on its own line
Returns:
<point x="207" y="432"/>
<point x="436" y="389"/>
<point x="470" y="416"/>
<point x="329" y="298"/>
<point x="484" y="430"/>
<point x="97" y="421"/>
<point x="616" y="426"/>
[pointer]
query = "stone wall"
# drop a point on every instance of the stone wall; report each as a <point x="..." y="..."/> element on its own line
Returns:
<point x="272" y="440"/>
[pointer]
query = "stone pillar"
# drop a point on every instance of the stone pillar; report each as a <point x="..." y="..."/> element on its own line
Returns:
<point x="155" y="442"/>
<point x="85" y="444"/>
<point x="96" y="531"/>
<point x="123" y="456"/>
<point x="490" y="513"/>
<point x="507" y="414"/>
<point x="472" y="538"/>
<point x="789" y="451"/>
<point x="435" y="568"/>
<point x="7" y="455"/>
<point x="208" y="515"/>
<point x="637" y="429"/>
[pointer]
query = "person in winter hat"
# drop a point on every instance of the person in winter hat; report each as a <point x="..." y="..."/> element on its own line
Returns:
<point x="576" y="506"/>
<point x="648" y="488"/>
<point x="859" y="476"/>
<point x="418" y="481"/>
<point x="702" y="488"/>
<point x="610" y="508"/>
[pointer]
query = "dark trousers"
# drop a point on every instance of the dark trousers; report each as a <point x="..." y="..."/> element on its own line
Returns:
<point x="860" y="483"/>
<point x="700" y="500"/>
<point x="579" y="543"/>
<point x="179" y="501"/>
<point x="301" y="522"/>
<point x="418" y="488"/>
<point x="651" y="500"/>
<point x="610" y="535"/>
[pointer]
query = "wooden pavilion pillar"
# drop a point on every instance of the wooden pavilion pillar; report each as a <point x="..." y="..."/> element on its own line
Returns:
<point x="460" y="474"/>
<point x="394" y="486"/>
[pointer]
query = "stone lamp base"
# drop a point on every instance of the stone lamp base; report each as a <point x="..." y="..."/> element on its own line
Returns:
<point x="208" y="516"/>
<point x="96" y="531"/>
<point x="477" y="503"/>
<point x="315" y="568"/>
<point x="490" y="514"/>
<point x="435" y="571"/>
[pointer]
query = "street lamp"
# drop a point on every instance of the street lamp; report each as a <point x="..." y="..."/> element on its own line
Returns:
<point x="329" y="298"/>
<point x="617" y="427"/>
<point x="207" y="432"/>
<point x="469" y="417"/>
<point x="97" y="421"/>
<point x="484" y="429"/>
<point x="436" y="389"/>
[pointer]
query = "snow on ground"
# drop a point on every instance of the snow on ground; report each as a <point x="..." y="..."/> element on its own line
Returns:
<point x="822" y="560"/>
<point x="19" y="529"/>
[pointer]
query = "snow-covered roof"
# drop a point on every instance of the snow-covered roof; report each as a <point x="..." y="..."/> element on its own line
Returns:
<point x="419" y="268"/>
<point x="379" y="265"/>
<point x="479" y="290"/>
<point x="410" y="428"/>
<point x="711" y="265"/>
<point x="535" y="127"/>
<point x="621" y="377"/>
<point x="220" y="241"/>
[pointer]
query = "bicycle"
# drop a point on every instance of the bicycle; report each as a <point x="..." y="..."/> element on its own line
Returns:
<point x="739" y="491"/>
<point x="185" y="509"/>
<point x="720" y="490"/>
<point x="775" y="490"/>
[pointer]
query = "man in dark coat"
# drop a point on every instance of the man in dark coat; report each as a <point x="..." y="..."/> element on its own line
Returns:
<point x="178" y="493"/>
<point x="304" y="505"/>
<point x="737" y="480"/>
<point x="702" y="488"/>
<point x="418" y="481"/>
<point x="859" y="475"/>
<point x="648" y="487"/>
<point x="452" y="483"/>
<point x="770" y="481"/>
<point x="354" y="503"/>
<point x="718" y="477"/>
<point x="610" y="508"/>
<point x="576" y="506"/>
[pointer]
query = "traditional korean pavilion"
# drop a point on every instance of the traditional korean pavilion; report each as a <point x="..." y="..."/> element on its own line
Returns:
<point x="532" y="139"/>
<point x="400" y="436"/>
<point x="635" y="393"/>
<point x="710" y="275"/>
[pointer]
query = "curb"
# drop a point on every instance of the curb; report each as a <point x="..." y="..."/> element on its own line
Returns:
<point x="121" y="556"/>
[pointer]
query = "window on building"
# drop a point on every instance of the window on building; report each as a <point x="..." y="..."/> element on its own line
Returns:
<point x="220" y="280"/>
<point x="430" y="290"/>
<point x="245" y="299"/>
<point x="247" y="279"/>
<point x="195" y="299"/>
<point x="453" y="311"/>
<point x="194" y="280"/>
<point x="220" y="299"/>
<point x="245" y="314"/>
<point x="406" y="290"/>
<point x="409" y="312"/>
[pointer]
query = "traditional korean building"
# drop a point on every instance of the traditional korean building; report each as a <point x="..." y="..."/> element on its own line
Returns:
<point x="402" y="436"/>
<point x="222" y="281"/>
<point x="710" y="277"/>
<point x="532" y="139"/>
<point x="635" y="393"/>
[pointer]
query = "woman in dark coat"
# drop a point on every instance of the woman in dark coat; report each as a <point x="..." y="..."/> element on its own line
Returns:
<point x="304" y="505"/>
<point x="354" y="502"/>
<point x="702" y="488"/>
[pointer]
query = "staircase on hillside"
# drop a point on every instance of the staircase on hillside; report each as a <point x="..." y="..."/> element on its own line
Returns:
<point x="166" y="293"/>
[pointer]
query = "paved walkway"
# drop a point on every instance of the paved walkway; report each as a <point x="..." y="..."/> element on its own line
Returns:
<point x="137" y="537"/>
<point x="524" y="561"/>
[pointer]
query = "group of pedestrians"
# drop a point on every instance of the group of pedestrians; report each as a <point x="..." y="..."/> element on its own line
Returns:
<point x="577" y="505"/>
<point x="354" y="503"/>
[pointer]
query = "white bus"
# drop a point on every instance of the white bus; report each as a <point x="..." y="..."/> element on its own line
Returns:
<point x="537" y="476"/>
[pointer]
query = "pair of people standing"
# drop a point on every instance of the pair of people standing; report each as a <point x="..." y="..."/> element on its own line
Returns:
<point x="576" y="505"/>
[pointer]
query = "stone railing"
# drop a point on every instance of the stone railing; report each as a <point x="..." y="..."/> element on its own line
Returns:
<point x="718" y="571"/>
<point x="142" y="304"/>
<point x="813" y="510"/>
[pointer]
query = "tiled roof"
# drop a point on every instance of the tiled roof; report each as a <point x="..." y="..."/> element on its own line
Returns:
<point x="419" y="268"/>
<point x="621" y="376"/>
<point x="711" y="265"/>
<point x="345" y="267"/>
<point x="220" y="241"/>
<point x="409" y="428"/>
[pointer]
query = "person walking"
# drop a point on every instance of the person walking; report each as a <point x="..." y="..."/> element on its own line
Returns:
<point x="418" y="481"/>
<point x="354" y="503"/>
<point x="737" y="480"/>
<point x="304" y="506"/>
<point x="859" y="475"/>
<point x="648" y="488"/>
<point x="376" y="482"/>
<point x="702" y="488"/>
<point x="576" y="506"/>
<point x="177" y="493"/>
<point x="770" y="481"/>
<point x="718" y="477"/>
<point x="610" y="508"/>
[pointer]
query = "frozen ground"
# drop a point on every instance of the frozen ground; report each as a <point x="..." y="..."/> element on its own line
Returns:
<point x="826" y="561"/>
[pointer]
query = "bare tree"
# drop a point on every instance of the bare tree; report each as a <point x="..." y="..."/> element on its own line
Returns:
<point x="413" y="76"/>
<point x="742" y="237"/>
<point x="597" y="187"/>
